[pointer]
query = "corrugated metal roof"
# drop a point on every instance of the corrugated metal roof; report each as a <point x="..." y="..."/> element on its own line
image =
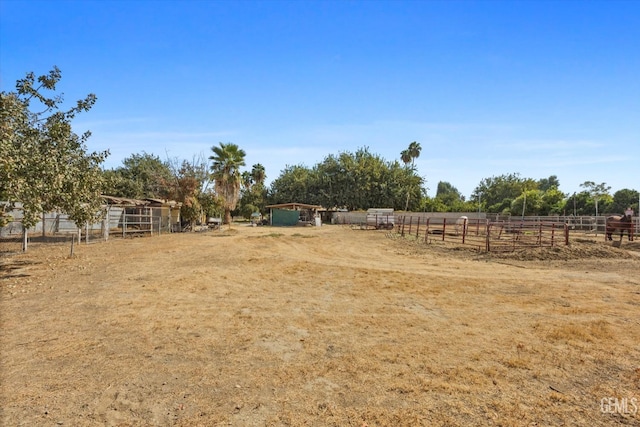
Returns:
<point x="295" y="206"/>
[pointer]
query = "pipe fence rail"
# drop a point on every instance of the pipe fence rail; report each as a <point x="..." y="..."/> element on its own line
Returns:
<point x="484" y="234"/>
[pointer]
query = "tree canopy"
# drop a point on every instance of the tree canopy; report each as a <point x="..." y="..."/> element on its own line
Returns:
<point x="225" y="171"/>
<point x="140" y="176"/>
<point x="354" y="181"/>
<point x="44" y="164"/>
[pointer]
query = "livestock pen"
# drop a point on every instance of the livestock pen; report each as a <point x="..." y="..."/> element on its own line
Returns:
<point x="484" y="234"/>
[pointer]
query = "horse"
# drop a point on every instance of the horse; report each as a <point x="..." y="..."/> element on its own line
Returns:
<point x="619" y="222"/>
<point x="461" y="224"/>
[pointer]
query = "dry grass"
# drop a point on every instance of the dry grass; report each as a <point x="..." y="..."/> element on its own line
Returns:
<point x="315" y="326"/>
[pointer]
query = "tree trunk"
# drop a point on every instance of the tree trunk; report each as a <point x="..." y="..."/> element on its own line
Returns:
<point x="227" y="216"/>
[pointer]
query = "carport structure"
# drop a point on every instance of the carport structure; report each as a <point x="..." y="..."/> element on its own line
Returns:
<point x="284" y="214"/>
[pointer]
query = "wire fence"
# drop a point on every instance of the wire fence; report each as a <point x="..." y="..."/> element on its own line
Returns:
<point x="57" y="228"/>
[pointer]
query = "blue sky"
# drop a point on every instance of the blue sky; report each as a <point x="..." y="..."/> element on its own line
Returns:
<point x="486" y="87"/>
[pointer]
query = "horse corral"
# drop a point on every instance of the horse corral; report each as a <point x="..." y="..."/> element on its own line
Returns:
<point x="484" y="234"/>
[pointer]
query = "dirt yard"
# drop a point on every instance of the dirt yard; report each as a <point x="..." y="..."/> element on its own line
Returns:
<point x="318" y="326"/>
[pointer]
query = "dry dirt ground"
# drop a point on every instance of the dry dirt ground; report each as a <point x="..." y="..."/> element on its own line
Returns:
<point x="319" y="326"/>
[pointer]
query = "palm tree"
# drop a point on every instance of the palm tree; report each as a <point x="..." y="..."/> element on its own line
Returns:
<point x="408" y="156"/>
<point x="246" y="180"/>
<point x="225" y="172"/>
<point x="258" y="174"/>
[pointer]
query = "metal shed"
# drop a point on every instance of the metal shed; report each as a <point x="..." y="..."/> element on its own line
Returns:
<point x="288" y="214"/>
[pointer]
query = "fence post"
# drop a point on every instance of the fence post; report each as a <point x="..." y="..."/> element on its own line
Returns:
<point x="444" y="228"/>
<point x="426" y="232"/>
<point x="487" y="246"/>
<point x="105" y="226"/>
<point x="25" y="238"/>
<point x="418" y="229"/>
<point x="403" y="218"/>
<point x="539" y="234"/>
<point x="464" y="229"/>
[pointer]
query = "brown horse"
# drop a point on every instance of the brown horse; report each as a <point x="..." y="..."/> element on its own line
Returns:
<point x="619" y="222"/>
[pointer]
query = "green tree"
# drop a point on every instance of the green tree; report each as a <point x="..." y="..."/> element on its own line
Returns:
<point x="44" y="164"/>
<point x="496" y="194"/>
<point x="354" y="181"/>
<point x="141" y="176"/>
<point x="254" y="193"/>
<point x="546" y="184"/>
<point x="408" y="156"/>
<point x="190" y="181"/>
<point x="597" y="192"/>
<point x="530" y="202"/>
<point x="553" y="202"/>
<point x="448" y="194"/>
<point x="578" y="204"/>
<point x="225" y="172"/>
<point x="623" y="199"/>
<point x="246" y="180"/>
<point x="291" y="186"/>
<point x="258" y="174"/>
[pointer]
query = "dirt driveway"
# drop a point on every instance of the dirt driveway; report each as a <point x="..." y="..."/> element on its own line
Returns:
<point x="316" y="326"/>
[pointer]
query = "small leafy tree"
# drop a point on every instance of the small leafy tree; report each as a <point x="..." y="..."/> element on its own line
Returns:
<point x="44" y="165"/>
<point x="597" y="192"/>
<point x="189" y="185"/>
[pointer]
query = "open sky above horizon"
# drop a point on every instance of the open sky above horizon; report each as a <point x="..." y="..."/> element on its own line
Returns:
<point x="487" y="88"/>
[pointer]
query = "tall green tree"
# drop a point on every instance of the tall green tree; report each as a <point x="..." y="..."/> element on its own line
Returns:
<point x="530" y="202"/>
<point x="44" y="164"/>
<point x="409" y="156"/>
<point x="225" y="172"/>
<point x="497" y="193"/>
<point x="292" y="185"/>
<point x="254" y="194"/>
<point x="141" y="176"/>
<point x="545" y="184"/>
<point x="448" y="194"/>
<point x="258" y="174"/>
<point x="597" y="192"/>
<point x="623" y="199"/>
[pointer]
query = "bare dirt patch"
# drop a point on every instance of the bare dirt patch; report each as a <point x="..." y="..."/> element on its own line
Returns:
<point x="316" y="326"/>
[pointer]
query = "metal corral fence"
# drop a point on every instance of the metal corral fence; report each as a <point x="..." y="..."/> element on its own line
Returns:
<point x="362" y="219"/>
<point x="484" y="234"/>
<point x="56" y="227"/>
<point x="593" y="225"/>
